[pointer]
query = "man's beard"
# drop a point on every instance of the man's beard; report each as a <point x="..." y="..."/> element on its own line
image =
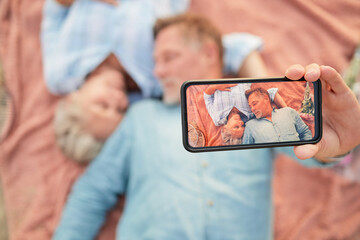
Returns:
<point x="168" y="98"/>
<point x="258" y="114"/>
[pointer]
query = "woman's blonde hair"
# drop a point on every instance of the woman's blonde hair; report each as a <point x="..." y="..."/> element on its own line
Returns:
<point x="228" y="138"/>
<point x="71" y="137"/>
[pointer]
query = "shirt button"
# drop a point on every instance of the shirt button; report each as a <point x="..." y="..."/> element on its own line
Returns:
<point x="210" y="203"/>
<point x="204" y="164"/>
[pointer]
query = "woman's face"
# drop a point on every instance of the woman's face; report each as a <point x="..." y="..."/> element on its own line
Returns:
<point x="103" y="101"/>
<point x="236" y="126"/>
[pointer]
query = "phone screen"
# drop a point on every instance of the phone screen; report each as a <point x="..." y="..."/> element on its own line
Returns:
<point x="227" y="114"/>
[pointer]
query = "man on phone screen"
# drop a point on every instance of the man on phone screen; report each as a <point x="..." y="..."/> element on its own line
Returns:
<point x="272" y="125"/>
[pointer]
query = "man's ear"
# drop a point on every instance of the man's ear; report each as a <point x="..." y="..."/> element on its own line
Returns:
<point x="211" y="51"/>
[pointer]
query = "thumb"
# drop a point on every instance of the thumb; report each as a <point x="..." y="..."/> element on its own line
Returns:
<point x="306" y="151"/>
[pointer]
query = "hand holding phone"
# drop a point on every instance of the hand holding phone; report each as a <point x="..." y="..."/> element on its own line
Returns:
<point x="341" y="113"/>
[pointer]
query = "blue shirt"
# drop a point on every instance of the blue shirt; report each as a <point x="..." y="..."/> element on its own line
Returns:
<point x="220" y="104"/>
<point x="76" y="40"/>
<point x="170" y="193"/>
<point x="286" y="126"/>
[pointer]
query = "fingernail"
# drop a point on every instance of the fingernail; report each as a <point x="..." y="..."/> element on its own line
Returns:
<point x="311" y="75"/>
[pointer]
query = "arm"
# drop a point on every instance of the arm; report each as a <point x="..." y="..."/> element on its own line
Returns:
<point x="72" y="43"/>
<point x="66" y="3"/>
<point x="276" y="97"/>
<point x="253" y="66"/>
<point x="341" y="113"/>
<point x="241" y="55"/>
<point x="218" y="87"/>
<point x="70" y="2"/>
<point x="279" y="101"/>
<point x="302" y="129"/>
<point x="211" y="109"/>
<point x="97" y="189"/>
<point x="211" y="103"/>
<point x="55" y="14"/>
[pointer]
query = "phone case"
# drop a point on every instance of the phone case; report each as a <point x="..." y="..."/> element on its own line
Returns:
<point x="194" y="129"/>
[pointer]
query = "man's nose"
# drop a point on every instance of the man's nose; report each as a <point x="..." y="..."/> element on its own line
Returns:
<point x="252" y="108"/>
<point x="159" y="70"/>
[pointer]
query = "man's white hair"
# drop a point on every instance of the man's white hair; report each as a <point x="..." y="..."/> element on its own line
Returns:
<point x="73" y="140"/>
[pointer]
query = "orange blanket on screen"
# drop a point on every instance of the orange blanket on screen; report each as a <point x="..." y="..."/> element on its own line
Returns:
<point x="37" y="178"/>
<point x="292" y="93"/>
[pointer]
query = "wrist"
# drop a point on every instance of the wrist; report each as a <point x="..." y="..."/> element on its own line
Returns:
<point x="346" y="157"/>
<point x="65" y="3"/>
<point x="210" y="91"/>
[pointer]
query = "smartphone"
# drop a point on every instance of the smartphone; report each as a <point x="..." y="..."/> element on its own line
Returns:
<point x="229" y="114"/>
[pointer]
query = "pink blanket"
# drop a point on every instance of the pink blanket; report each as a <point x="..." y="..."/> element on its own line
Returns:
<point x="37" y="178"/>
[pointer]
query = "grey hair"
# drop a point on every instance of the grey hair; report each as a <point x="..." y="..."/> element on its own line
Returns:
<point x="71" y="137"/>
<point x="228" y="138"/>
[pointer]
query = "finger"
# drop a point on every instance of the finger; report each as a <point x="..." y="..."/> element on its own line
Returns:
<point x="227" y="86"/>
<point x="228" y="89"/>
<point x="112" y="2"/>
<point x="306" y="151"/>
<point x="66" y="3"/>
<point x="295" y="72"/>
<point x="312" y="72"/>
<point x="333" y="80"/>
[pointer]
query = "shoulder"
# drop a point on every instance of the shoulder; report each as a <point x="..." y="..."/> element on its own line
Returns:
<point x="286" y="109"/>
<point x="251" y="123"/>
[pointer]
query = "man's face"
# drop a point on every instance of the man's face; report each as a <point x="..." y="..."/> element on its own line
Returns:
<point x="103" y="101"/>
<point x="177" y="61"/>
<point x="260" y="105"/>
<point x="236" y="126"/>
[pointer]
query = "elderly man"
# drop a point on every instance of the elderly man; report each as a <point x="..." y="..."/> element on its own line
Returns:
<point x="272" y="125"/>
<point x="174" y="194"/>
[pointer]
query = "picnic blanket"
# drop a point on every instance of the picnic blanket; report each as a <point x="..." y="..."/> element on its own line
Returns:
<point x="36" y="178"/>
